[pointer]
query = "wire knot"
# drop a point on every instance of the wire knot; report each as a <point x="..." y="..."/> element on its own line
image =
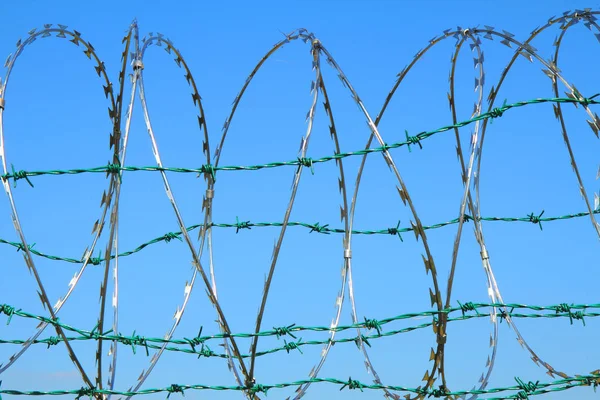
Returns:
<point x="258" y="389"/>
<point x="285" y="330"/>
<point x="565" y="308"/>
<point x="210" y="170"/>
<point x="20" y="247"/>
<point x="134" y="341"/>
<point x="396" y="231"/>
<point x="307" y="162"/>
<point x="205" y="351"/>
<point x="353" y="384"/>
<point x="113" y="168"/>
<point x="175" y="388"/>
<point x="96" y="260"/>
<point x="9" y="311"/>
<point x="469" y="306"/>
<point x="496" y="113"/>
<point x="53" y="341"/>
<point x="288" y="346"/>
<point x="241" y="225"/>
<point x="89" y="392"/>
<point x="586" y="101"/>
<point x="361" y="338"/>
<point x="373" y="324"/>
<point x="413" y="140"/>
<point x="16" y="175"/>
<point x="526" y="388"/>
<point x="170" y="236"/>
<point x="467" y="218"/>
<point x="503" y="315"/>
<point x="536" y="219"/>
<point x="591" y="381"/>
<point x="320" y="229"/>
<point x="441" y="392"/>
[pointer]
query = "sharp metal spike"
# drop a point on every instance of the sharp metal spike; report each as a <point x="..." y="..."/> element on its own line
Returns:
<point x="402" y="194"/>
<point x="526" y="55"/>
<point x="433" y="299"/>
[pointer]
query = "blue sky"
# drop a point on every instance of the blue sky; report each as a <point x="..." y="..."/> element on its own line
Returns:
<point x="56" y="118"/>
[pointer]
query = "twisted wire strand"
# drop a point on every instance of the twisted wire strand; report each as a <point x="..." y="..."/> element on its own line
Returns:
<point x="470" y="174"/>
<point x="467" y="310"/>
<point x="317" y="227"/>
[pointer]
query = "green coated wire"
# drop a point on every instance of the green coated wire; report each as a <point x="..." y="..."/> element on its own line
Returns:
<point x="309" y="162"/>
<point x="575" y="312"/>
<point x="571" y="311"/>
<point x="316" y="227"/>
<point x="204" y="350"/>
<point x="523" y="390"/>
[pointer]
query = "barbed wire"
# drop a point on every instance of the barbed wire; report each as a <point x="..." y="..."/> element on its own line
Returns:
<point x="523" y="389"/>
<point x="575" y="312"/>
<point x="314" y="227"/>
<point x="305" y="162"/>
<point x="499" y="310"/>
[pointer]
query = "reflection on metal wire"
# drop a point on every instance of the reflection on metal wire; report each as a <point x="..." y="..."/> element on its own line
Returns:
<point x="243" y="366"/>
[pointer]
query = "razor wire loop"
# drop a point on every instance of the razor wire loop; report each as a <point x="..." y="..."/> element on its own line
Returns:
<point x="526" y="389"/>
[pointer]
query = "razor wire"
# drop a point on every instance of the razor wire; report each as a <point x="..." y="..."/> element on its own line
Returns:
<point x="244" y="371"/>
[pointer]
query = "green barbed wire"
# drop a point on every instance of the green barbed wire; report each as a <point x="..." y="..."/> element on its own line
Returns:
<point x="573" y="312"/>
<point x="204" y="350"/>
<point x="308" y="162"/>
<point x="316" y="227"/>
<point x="523" y="389"/>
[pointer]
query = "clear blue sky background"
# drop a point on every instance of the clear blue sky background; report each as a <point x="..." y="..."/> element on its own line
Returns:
<point x="56" y="118"/>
